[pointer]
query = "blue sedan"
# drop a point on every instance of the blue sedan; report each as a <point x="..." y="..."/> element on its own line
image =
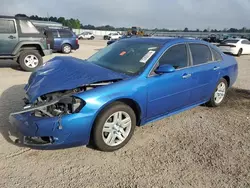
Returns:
<point x="130" y="83"/>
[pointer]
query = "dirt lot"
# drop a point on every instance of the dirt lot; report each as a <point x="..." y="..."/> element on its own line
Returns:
<point x="202" y="147"/>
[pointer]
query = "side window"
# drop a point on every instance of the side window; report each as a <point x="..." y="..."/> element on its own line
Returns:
<point x="55" y="34"/>
<point x="200" y="53"/>
<point x="245" y="42"/>
<point x="65" y="34"/>
<point x="27" y="27"/>
<point x="175" y="56"/>
<point x="216" y="54"/>
<point x="7" y="26"/>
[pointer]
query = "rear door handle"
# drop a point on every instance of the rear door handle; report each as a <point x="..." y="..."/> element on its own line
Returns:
<point x="185" y="76"/>
<point x="11" y="37"/>
<point x="216" y="68"/>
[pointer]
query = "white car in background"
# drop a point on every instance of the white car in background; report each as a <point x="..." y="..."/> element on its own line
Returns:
<point x="86" y="35"/>
<point x="235" y="46"/>
<point x="115" y="36"/>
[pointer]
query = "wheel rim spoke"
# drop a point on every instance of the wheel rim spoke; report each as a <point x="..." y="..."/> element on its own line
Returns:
<point x="126" y="122"/>
<point x="220" y="93"/>
<point x="120" y="137"/>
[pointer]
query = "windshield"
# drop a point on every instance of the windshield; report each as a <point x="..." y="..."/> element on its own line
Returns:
<point x="129" y="57"/>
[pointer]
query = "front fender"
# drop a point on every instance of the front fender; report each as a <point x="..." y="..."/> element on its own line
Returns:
<point x="98" y="98"/>
<point x="20" y="44"/>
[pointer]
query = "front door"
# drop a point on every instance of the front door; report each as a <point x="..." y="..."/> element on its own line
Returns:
<point x="171" y="91"/>
<point x="8" y="36"/>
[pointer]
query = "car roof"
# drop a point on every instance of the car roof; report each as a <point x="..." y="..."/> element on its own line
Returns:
<point x="59" y="29"/>
<point x="15" y="17"/>
<point x="164" y="40"/>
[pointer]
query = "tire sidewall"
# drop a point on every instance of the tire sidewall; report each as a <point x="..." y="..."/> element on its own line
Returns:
<point x="100" y="121"/>
<point x="24" y="54"/>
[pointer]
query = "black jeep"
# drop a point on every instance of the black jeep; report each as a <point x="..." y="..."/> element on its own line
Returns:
<point x="21" y="41"/>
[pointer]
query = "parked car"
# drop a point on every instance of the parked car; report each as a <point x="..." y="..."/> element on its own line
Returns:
<point x="64" y="40"/>
<point x="123" y="37"/>
<point x="129" y="83"/>
<point x="112" y="36"/>
<point x="86" y="35"/>
<point x="235" y="46"/>
<point x="22" y="42"/>
<point x="106" y="37"/>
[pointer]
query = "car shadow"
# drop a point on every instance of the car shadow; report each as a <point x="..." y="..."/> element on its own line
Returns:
<point x="11" y="101"/>
<point x="10" y="64"/>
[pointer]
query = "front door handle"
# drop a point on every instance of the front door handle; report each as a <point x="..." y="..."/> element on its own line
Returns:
<point x="216" y="68"/>
<point x="11" y="37"/>
<point x="185" y="76"/>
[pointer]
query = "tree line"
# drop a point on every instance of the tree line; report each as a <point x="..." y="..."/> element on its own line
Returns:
<point x="76" y="24"/>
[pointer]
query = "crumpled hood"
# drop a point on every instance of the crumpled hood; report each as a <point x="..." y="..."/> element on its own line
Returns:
<point x="65" y="73"/>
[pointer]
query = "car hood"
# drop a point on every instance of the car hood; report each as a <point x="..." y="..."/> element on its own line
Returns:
<point x="65" y="73"/>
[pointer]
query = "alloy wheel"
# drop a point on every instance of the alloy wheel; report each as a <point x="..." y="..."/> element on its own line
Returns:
<point x="116" y="128"/>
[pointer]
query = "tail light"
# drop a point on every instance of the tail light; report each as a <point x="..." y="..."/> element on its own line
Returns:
<point x="76" y="40"/>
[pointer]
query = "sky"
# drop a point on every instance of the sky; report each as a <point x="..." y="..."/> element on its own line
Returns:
<point x="170" y="14"/>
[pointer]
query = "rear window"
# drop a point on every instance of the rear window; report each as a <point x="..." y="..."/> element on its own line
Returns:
<point x="27" y="27"/>
<point x="7" y="26"/>
<point x="200" y="53"/>
<point x="230" y="41"/>
<point x="65" y="34"/>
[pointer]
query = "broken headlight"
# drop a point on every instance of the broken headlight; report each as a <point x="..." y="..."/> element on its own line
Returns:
<point x="64" y="106"/>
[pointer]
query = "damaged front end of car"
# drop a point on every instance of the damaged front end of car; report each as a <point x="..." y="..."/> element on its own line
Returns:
<point x="55" y="118"/>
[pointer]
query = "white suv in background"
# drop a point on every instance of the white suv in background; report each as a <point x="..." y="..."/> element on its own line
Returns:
<point x="115" y="36"/>
<point x="86" y="35"/>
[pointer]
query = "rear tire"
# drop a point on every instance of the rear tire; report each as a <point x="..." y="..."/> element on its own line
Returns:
<point x="30" y="60"/>
<point x="240" y="52"/>
<point x="92" y="38"/>
<point x="108" y="133"/>
<point x="219" y="94"/>
<point x="66" y="49"/>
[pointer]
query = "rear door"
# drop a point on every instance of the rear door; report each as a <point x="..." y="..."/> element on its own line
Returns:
<point x="8" y="36"/>
<point x="66" y="37"/>
<point x="205" y="71"/>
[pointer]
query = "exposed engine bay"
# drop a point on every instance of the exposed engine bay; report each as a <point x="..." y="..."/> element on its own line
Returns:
<point x="59" y="103"/>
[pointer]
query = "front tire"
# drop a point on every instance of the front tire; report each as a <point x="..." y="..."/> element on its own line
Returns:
<point x="219" y="94"/>
<point x="114" y="127"/>
<point x="30" y="60"/>
<point x="66" y="49"/>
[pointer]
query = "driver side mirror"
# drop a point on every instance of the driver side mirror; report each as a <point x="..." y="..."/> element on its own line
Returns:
<point x="162" y="69"/>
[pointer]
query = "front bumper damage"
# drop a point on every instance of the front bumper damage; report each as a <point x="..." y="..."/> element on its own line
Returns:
<point x="52" y="132"/>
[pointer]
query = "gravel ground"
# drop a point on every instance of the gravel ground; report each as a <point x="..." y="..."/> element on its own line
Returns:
<point x="202" y="147"/>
